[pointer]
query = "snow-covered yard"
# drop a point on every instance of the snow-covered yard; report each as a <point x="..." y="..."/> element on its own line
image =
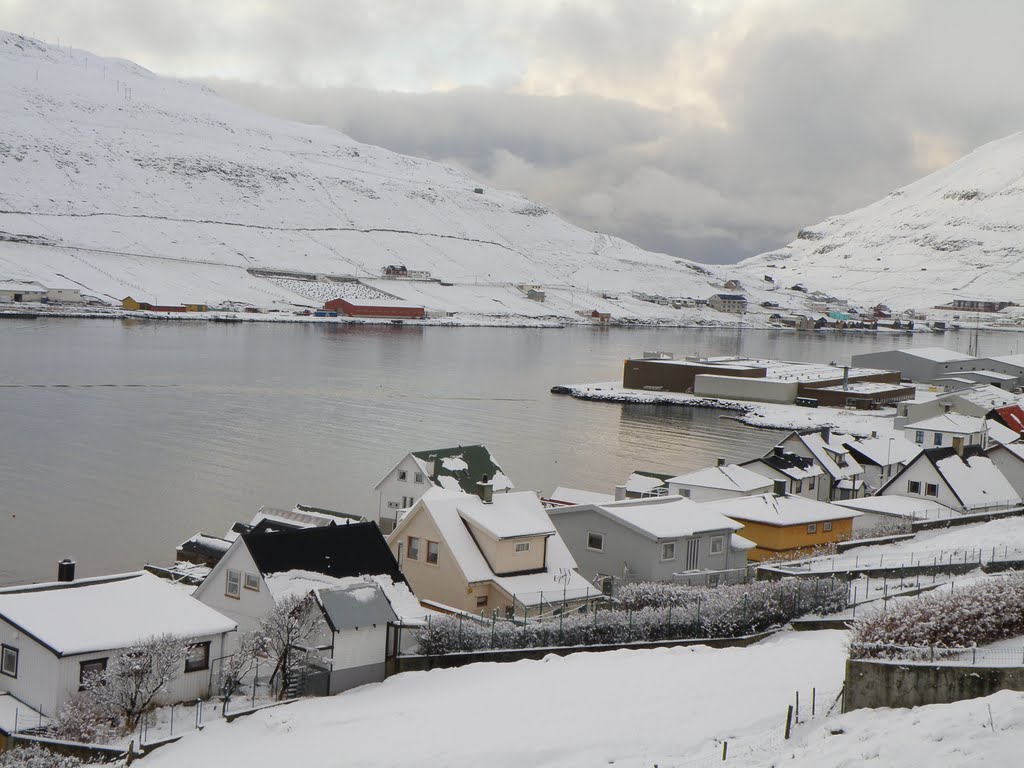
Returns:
<point x="630" y="708"/>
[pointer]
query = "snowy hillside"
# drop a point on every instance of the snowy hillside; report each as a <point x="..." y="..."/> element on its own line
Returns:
<point x="957" y="233"/>
<point x="125" y="183"/>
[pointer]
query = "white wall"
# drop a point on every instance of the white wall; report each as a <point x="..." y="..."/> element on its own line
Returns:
<point x="1011" y="467"/>
<point x="251" y="606"/>
<point x="740" y="388"/>
<point x="923" y="472"/>
<point x="359" y="647"/>
<point x="391" y="491"/>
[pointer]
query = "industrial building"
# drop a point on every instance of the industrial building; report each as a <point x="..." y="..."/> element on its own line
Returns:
<point x="949" y="369"/>
<point x="375" y="308"/>
<point x="767" y="381"/>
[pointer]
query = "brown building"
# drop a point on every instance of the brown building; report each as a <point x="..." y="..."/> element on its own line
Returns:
<point x="374" y="308"/>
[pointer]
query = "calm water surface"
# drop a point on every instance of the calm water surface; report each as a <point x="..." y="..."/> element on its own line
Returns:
<point x="118" y="439"/>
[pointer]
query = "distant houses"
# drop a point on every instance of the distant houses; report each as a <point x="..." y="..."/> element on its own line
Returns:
<point x="28" y="292"/>
<point x="733" y="303"/>
<point x="136" y="306"/>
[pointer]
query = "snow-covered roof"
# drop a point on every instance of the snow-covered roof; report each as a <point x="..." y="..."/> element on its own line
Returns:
<point x="381" y="302"/>
<point x="738" y="542"/>
<point x="976" y="481"/>
<point x="460" y="468"/>
<point x="779" y="510"/>
<point x="10" y="285"/>
<point x="509" y="515"/>
<point x="952" y="422"/>
<point x="665" y="517"/>
<point x="883" y="451"/>
<point x="1000" y="433"/>
<point x="107" y="613"/>
<point x="639" y="482"/>
<point x="356" y="605"/>
<point x="399" y="595"/>
<point x="728" y="477"/>
<point x="829" y="454"/>
<point x="898" y="506"/>
<point x="577" y="496"/>
<point x="935" y="354"/>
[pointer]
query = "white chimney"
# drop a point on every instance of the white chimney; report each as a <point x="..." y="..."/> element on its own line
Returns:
<point x="620" y="493"/>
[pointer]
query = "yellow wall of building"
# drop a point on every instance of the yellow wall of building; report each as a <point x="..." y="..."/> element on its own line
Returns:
<point x="789" y="540"/>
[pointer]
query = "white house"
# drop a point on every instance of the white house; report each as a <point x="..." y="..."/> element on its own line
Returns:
<point x="729" y="302"/>
<point x="54" y="635"/>
<point x="802" y="476"/>
<point x="19" y="292"/>
<point x="877" y="510"/>
<point x="880" y="457"/>
<point x="454" y="469"/>
<point x="949" y="430"/>
<point x="965" y="480"/>
<point x="1009" y="460"/>
<point x="843" y="473"/>
<point x="722" y="481"/>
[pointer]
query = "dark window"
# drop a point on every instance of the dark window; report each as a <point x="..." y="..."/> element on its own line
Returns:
<point x="91" y="668"/>
<point x="595" y="541"/>
<point x="412" y="551"/>
<point x="9" y="661"/>
<point x="481" y="601"/>
<point x="938" y="438"/>
<point x="198" y="657"/>
<point x="913" y="486"/>
<point x="252" y="581"/>
<point x="931" y="489"/>
<point x="432" y="552"/>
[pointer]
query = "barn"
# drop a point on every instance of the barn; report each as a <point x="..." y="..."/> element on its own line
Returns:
<point x="375" y="308"/>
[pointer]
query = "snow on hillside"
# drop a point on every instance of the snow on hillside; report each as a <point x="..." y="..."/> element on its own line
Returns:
<point x="627" y="708"/>
<point x="957" y="233"/>
<point x="125" y="183"/>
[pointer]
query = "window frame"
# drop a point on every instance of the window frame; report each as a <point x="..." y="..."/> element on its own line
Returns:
<point x="82" y="674"/>
<point x="7" y="651"/>
<point x="665" y="544"/>
<point x="418" y="478"/>
<point x="919" y="436"/>
<point x="403" y="475"/>
<point x="720" y="541"/>
<point x="810" y="483"/>
<point x="931" y="489"/>
<point x="436" y="553"/>
<point x="812" y="528"/>
<point x="826" y="526"/>
<point x="798" y="486"/>
<point x="937" y="439"/>
<point x="411" y="552"/>
<point x="600" y="536"/>
<point x="481" y="601"/>
<point x="684" y="492"/>
<point x="191" y="666"/>
<point x="911" y="486"/>
<point x="237" y="595"/>
<point x="522" y="546"/>
<point x="245" y="581"/>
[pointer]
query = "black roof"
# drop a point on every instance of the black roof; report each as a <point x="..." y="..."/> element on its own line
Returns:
<point x="357" y="549"/>
<point x="786" y="461"/>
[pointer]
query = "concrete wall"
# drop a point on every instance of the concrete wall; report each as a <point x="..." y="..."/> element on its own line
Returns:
<point x="910" y="366"/>
<point x="739" y="388"/>
<point x="873" y="684"/>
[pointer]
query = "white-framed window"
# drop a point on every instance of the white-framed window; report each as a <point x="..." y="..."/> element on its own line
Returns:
<point x="938" y="438"/>
<point x="418" y="478"/>
<point x="403" y="475"/>
<point x="913" y="486"/>
<point x="919" y="437"/>
<point x="9" y="660"/>
<point x="595" y="541"/>
<point x="668" y="550"/>
<point x="481" y="601"/>
<point x="810" y="483"/>
<point x="198" y="657"/>
<point x="91" y="668"/>
<point x="433" y="552"/>
<point x="252" y="582"/>
<point x="522" y="546"/>
<point x="826" y="526"/>
<point x="233" y="583"/>
<point x="931" y="489"/>
<point x="798" y="486"/>
<point x="407" y="501"/>
<point x="412" y="550"/>
<point x="812" y="528"/>
<point x="717" y="545"/>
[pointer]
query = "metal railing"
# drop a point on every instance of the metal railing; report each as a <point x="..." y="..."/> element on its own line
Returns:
<point x="932" y="558"/>
<point x="939" y="655"/>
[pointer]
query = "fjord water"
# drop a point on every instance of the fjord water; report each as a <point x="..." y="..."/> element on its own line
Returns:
<point x="119" y="439"/>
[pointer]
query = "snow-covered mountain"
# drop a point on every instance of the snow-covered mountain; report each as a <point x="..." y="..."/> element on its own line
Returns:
<point x="957" y="233"/>
<point x="126" y="183"/>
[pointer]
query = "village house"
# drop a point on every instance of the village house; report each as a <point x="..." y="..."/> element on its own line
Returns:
<point x="802" y="476"/>
<point x="664" y="538"/>
<point x="571" y="497"/>
<point x="885" y="510"/>
<point x="1009" y="460"/>
<point x="488" y="552"/>
<point x="843" y="475"/>
<point x="729" y="302"/>
<point x="642" y="483"/>
<point x="54" y="635"/>
<point x="722" y="481"/>
<point x="949" y="429"/>
<point x="960" y="477"/>
<point x="454" y="469"/>
<point x="11" y="291"/>
<point x="880" y="457"/>
<point x="786" y="526"/>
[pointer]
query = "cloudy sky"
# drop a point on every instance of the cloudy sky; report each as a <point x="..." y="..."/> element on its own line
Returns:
<point x="711" y="129"/>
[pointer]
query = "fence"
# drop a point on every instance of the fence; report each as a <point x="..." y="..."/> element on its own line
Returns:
<point x="939" y="655"/>
<point x="894" y="561"/>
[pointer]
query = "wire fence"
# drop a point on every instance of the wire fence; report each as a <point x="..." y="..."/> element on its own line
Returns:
<point x="936" y="558"/>
<point x="940" y="655"/>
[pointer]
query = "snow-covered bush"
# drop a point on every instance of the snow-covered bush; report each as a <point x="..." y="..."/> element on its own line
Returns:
<point x="967" y="616"/>
<point x="82" y="719"/>
<point x="893" y="527"/>
<point x="648" y="612"/>
<point x="34" y="756"/>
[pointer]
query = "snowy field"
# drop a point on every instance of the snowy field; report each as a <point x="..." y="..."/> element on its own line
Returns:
<point x="632" y="709"/>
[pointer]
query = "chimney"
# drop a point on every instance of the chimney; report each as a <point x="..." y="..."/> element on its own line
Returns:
<point x="846" y="378"/>
<point x="947" y="407"/>
<point x="485" y="489"/>
<point x="779" y="487"/>
<point x="66" y="570"/>
<point x="620" y="493"/>
<point x="874" y="433"/>
<point x="778" y="451"/>
<point x="720" y="463"/>
<point x="826" y="433"/>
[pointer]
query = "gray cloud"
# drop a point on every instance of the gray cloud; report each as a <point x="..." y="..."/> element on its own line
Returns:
<point x="703" y="133"/>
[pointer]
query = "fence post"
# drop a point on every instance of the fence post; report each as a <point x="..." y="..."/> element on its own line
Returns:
<point x="797" y="710"/>
<point x="814" y="701"/>
<point x="460" y="631"/>
<point x="725" y="750"/>
<point x="172" y="719"/>
<point x="789" y="720"/>
<point x="494" y="620"/>
<point x="698" y="613"/>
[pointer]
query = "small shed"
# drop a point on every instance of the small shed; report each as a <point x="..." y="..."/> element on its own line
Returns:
<point x="358" y="616"/>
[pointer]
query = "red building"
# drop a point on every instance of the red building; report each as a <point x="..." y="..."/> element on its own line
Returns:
<point x="374" y="308"/>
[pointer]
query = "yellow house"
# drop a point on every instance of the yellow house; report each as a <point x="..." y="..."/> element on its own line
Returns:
<point x="195" y="307"/>
<point x="787" y="526"/>
<point x="129" y="303"/>
<point x="480" y="553"/>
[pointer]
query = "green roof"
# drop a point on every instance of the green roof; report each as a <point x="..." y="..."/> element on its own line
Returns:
<point x="477" y="459"/>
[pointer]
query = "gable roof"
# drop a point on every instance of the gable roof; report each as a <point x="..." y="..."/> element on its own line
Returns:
<point x="935" y="354"/>
<point x="727" y="477"/>
<point x="882" y="451"/>
<point x="356" y="549"/>
<point x="730" y="297"/>
<point x="358" y="605"/>
<point x="107" y="613"/>
<point x="829" y="453"/>
<point x="508" y="516"/>
<point x="660" y="517"/>
<point x="972" y="478"/>
<point x="642" y="481"/>
<point x="461" y="467"/>
<point x="769" y="509"/>
<point x="1011" y="416"/>
<point x="950" y="422"/>
<point x="575" y="496"/>
<point x="790" y="464"/>
<point x="1000" y="433"/>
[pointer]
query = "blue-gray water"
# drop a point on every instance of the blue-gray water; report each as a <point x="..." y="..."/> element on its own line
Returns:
<point x="118" y="439"/>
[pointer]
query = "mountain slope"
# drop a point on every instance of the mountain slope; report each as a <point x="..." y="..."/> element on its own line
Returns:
<point x="957" y="233"/>
<point x="122" y="182"/>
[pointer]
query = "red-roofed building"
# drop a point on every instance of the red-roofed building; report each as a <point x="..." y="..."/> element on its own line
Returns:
<point x="375" y="308"/>
<point x="1011" y="416"/>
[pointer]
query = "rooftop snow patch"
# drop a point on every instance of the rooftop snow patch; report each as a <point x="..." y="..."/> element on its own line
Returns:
<point x="780" y="510"/>
<point x="729" y="477"/>
<point x="670" y="517"/>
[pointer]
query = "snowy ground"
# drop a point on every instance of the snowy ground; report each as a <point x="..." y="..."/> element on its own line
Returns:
<point x="631" y="708"/>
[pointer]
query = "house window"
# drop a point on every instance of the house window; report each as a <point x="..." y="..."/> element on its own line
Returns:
<point x="668" y="550"/>
<point x="432" y="552"/>
<point x="233" y="584"/>
<point x="606" y="583"/>
<point x="810" y="483"/>
<point x="938" y="438"/>
<point x="9" y="661"/>
<point x="481" y="601"/>
<point x="198" y="657"/>
<point x="413" y="550"/>
<point x="931" y="489"/>
<point x="88" y="669"/>
<point x="407" y="501"/>
<point x="595" y="542"/>
<point x="798" y="486"/>
<point x="717" y="545"/>
<point x="913" y="486"/>
<point x="919" y="437"/>
<point x="522" y="546"/>
<point x="812" y="528"/>
<point x="826" y="526"/>
<point x="418" y="478"/>
<point x="684" y="492"/>
<point x="252" y="582"/>
<point x="403" y="475"/>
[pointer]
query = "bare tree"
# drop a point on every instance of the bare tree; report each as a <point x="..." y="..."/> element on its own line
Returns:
<point x="240" y="663"/>
<point x="292" y="624"/>
<point x="130" y="683"/>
